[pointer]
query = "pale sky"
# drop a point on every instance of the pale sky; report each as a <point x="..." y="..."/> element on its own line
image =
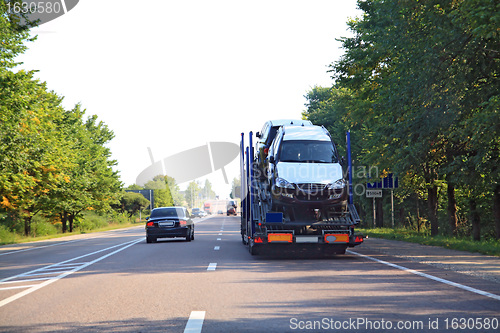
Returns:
<point x="174" y="75"/>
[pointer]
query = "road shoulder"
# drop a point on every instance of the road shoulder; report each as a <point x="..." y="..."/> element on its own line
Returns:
<point x="474" y="264"/>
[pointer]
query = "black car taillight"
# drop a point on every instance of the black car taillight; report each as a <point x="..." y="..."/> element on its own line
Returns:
<point x="182" y="223"/>
<point x="150" y="224"/>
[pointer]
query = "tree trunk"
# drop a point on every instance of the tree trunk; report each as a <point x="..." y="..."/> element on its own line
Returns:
<point x="71" y="218"/>
<point x="475" y="220"/>
<point x="402" y="216"/>
<point x="418" y="215"/>
<point x="64" y="220"/>
<point x="380" y="213"/>
<point x="432" y="202"/>
<point x="27" y="225"/>
<point x="452" y="209"/>
<point x="496" y="210"/>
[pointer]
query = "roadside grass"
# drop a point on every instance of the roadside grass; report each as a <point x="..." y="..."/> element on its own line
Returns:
<point x="490" y="247"/>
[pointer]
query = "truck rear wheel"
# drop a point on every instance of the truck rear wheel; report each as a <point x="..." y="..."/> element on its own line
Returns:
<point x="252" y="248"/>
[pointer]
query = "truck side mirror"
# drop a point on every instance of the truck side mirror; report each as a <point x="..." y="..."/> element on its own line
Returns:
<point x="258" y="135"/>
<point x="271" y="159"/>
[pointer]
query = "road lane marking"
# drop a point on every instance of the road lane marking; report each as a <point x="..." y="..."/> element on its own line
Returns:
<point x="217" y="248"/>
<point x="195" y="322"/>
<point x="64" y="273"/>
<point x="432" y="277"/>
<point x="212" y="266"/>
<point x="220" y="233"/>
<point x="219" y="238"/>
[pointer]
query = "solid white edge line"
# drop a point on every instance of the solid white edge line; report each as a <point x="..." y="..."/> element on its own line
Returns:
<point x="103" y="234"/>
<point x="18" y="287"/>
<point x="195" y="322"/>
<point x="212" y="266"/>
<point x="46" y="283"/>
<point x="428" y="276"/>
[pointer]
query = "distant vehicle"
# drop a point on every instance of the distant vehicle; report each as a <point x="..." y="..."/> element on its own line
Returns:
<point x="231" y="208"/>
<point x="207" y="208"/>
<point x="203" y="213"/>
<point x="220" y="212"/>
<point x="266" y="136"/>
<point x="196" y="212"/>
<point x="169" y="222"/>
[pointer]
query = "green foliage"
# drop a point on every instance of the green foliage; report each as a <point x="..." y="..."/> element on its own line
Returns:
<point x="161" y="189"/>
<point x="13" y="35"/>
<point x="52" y="160"/>
<point x="418" y="88"/>
<point x="192" y="194"/>
<point x="6" y="235"/>
<point x="91" y="221"/>
<point x="132" y="202"/>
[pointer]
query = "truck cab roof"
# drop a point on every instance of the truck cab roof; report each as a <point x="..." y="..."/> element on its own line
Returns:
<point x="317" y="133"/>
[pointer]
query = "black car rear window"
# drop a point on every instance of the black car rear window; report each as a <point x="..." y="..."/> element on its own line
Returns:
<point x="167" y="212"/>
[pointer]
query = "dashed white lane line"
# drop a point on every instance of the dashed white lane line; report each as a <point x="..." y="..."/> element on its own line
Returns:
<point x="217" y="248"/>
<point x="195" y="322"/>
<point x="212" y="266"/>
<point x="220" y="233"/>
<point x="219" y="239"/>
<point x="428" y="276"/>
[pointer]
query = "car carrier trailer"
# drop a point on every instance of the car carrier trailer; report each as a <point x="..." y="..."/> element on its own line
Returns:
<point x="263" y="229"/>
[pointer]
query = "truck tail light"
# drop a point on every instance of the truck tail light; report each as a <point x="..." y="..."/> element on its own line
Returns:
<point x="358" y="239"/>
<point x="266" y="151"/>
<point x="258" y="240"/>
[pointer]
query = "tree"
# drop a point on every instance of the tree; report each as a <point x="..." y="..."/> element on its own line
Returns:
<point x="424" y="80"/>
<point x="35" y="156"/>
<point x="133" y="202"/>
<point x="192" y="194"/>
<point x="161" y="189"/>
<point x="207" y="192"/>
<point x="92" y="184"/>
<point x="14" y="32"/>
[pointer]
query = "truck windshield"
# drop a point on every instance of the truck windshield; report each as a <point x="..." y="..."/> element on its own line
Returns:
<point x="307" y="152"/>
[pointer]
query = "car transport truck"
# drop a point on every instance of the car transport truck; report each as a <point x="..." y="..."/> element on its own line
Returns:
<point x="300" y="195"/>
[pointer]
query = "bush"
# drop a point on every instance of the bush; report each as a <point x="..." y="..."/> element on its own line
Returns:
<point x="7" y="236"/>
<point x="90" y="221"/>
<point x="42" y="228"/>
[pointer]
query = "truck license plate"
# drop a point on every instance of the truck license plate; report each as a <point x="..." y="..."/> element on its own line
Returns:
<point x="280" y="238"/>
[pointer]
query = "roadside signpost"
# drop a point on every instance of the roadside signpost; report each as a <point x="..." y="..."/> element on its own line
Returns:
<point x="374" y="190"/>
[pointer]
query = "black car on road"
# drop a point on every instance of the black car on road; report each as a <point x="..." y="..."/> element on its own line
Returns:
<point x="169" y="222"/>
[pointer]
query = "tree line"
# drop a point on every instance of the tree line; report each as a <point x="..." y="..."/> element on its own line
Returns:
<point x="418" y="87"/>
<point x="52" y="160"/>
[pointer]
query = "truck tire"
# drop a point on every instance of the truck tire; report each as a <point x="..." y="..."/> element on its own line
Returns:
<point x="252" y="248"/>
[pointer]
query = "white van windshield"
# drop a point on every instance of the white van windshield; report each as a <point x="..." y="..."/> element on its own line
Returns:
<point x="307" y="152"/>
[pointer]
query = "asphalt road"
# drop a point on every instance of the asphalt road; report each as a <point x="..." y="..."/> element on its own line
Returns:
<point x="115" y="282"/>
